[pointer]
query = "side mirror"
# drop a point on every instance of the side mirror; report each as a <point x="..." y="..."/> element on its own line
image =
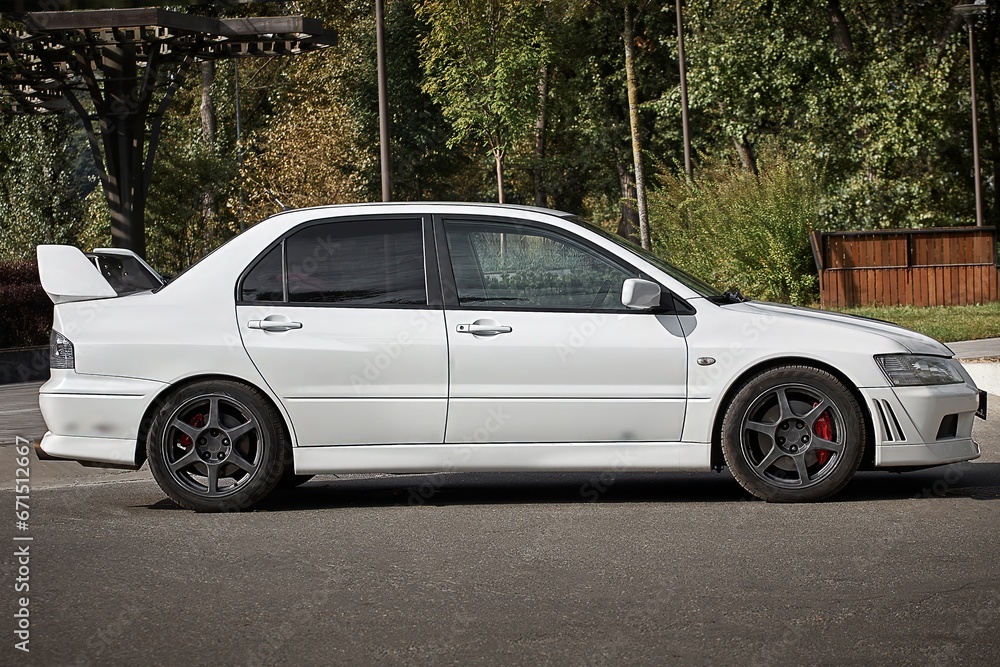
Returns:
<point x="640" y="294"/>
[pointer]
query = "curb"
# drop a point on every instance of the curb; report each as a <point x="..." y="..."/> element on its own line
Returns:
<point x="986" y="375"/>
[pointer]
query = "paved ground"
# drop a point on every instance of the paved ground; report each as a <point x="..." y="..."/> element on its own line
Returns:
<point x="19" y="411"/>
<point x="488" y="569"/>
<point x="976" y="349"/>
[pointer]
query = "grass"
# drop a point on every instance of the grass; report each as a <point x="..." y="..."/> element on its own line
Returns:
<point x="946" y="323"/>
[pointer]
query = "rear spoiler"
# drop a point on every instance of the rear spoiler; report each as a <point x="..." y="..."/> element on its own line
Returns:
<point x="67" y="275"/>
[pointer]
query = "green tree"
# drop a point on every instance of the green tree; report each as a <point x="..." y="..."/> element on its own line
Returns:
<point x="482" y="59"/>
<point x="424" y="165"/>
<point x="869" y="93"/>
<point x="45" y="176"/>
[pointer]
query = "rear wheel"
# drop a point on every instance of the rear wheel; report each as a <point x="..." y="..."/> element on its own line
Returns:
<point x="793" y="434"/>
<point x="217" y="446"/>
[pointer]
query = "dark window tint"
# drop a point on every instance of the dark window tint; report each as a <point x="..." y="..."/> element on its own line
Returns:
<point x="371" y="262"/>
<point x="521" y="267"/>
<point x="263" y="283"/>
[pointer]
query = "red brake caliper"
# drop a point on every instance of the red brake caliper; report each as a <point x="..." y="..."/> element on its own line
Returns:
<point x="823" y="428"/>
<point x="198" y="421"/>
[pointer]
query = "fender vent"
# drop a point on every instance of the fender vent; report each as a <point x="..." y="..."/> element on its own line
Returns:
<point x="890" y="424"/>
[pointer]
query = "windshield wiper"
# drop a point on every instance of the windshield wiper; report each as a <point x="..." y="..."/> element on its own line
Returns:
<point x="733" y="296"/>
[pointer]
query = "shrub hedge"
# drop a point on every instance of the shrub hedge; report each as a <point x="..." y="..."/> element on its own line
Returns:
<point x="25" y="309"/>
<point x="736" y="229"/>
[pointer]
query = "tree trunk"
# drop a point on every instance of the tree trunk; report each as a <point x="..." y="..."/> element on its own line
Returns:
<point x="841" y="30"/>
<point x="208" y="129"/>
<point x="122" y="129"/>
<point x="745" y="150"/>
<point x="207" y="105"/>
<point x="628" y="35"/>
<point x="543" y="103"/>
<point x="498" y="156"/>
<point x="630" y="216"/>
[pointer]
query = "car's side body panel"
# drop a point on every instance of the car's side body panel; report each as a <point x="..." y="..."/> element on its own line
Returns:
<point x="567" y="377"/>
<point x="355" y="375"/>
<point x="506" y="457"/>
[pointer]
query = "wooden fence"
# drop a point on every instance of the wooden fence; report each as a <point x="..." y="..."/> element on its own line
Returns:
<point x="920" y="267"/>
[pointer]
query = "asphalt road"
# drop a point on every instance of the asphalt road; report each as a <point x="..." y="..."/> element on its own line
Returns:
<point x="511" y="569"/>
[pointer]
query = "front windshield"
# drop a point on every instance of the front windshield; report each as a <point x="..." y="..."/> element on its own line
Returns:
<point x="689" y="281"/>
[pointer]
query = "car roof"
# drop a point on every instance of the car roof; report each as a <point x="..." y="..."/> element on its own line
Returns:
<point x="427" y="205"/>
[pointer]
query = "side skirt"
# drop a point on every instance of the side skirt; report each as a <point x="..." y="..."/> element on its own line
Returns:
<point x="504" y="457"/>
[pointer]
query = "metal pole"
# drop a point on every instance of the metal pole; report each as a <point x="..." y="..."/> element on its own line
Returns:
<point x="975" y="124"/>
<point x="684" y="91"/>
<point x="383" y="104"/>
<point x="239" y="144"/>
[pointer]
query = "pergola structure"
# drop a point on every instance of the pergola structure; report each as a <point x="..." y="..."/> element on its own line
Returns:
<point x="119" y="69"/>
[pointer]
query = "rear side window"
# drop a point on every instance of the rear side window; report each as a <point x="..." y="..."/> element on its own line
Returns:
<point x="265" y="282"/>
<point x="362" y="263"/>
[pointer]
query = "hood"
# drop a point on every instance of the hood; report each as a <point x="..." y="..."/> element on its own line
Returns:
<point x="915" y="342"/>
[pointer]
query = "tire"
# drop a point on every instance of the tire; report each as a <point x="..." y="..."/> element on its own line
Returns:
<point x="217" y="446"/>
<point x="793" y="434"/>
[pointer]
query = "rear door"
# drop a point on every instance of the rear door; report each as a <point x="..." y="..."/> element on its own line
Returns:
<point x="341" y="320"/>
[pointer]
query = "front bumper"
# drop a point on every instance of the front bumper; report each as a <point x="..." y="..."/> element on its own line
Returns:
<point x="923" y="426"/>
<point x="93" y="418"/>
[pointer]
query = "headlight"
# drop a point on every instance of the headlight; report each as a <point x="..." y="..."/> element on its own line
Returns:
<point x="909" y="370"/>
<point x="61" y="352"/>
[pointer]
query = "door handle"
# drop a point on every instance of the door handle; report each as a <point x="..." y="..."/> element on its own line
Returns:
<point x="483" y="328"/>
<point x="274" y="325"/>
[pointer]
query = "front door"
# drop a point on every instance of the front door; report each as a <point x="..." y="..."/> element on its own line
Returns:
<point x="541" y="348"/>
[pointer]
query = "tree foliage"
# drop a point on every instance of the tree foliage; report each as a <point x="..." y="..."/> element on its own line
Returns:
<point x="742" y="230"/>
<point x="862" y="104"/>
<point x="44" y="179"/>
<point x="482" y="59"/>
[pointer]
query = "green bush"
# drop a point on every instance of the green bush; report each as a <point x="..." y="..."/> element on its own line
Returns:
<point x="737" y="230"/>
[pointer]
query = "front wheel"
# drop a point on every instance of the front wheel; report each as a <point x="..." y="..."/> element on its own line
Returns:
<point x="216" y="446"/>
<point x="793" y="434"/>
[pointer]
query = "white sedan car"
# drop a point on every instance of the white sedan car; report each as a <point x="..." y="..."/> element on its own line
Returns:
<point x="408" y="338"/>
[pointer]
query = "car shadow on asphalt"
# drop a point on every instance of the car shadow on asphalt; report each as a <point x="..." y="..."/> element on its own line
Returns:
<point x="979" y="481"/>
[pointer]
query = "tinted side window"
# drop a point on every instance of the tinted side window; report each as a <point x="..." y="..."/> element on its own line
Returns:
<point x="264" y="282"/>
<point x="522" y="267"/>
<point x="370" y="262"/>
